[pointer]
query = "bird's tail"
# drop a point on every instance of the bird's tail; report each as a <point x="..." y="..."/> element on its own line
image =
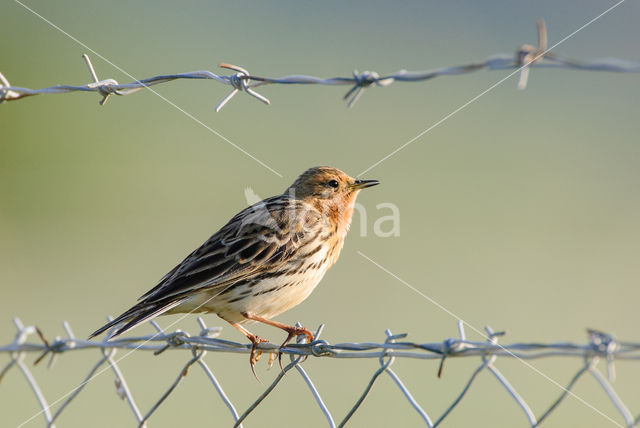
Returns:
<point x="138" y="314"/>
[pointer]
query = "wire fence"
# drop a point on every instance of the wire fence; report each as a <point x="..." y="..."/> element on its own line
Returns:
<point x="600" y="347"/>
<point x="526" y="57"/>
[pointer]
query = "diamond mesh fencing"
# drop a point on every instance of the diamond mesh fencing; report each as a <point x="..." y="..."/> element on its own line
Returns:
<point x="600" y="350"/>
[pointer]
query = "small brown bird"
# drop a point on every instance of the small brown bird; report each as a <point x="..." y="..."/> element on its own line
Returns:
<point x="264" y="261"/>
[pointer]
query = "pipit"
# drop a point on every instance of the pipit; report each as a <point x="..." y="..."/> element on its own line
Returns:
<point x="264" y="261"/>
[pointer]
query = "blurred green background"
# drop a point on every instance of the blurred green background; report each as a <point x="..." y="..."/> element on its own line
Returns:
<point x="521" y="211"/>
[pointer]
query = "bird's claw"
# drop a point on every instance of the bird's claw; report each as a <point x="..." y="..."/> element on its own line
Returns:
<point x="272" y="358"/>
<point x="293" y="332"/>
<point x="255" y="354"/>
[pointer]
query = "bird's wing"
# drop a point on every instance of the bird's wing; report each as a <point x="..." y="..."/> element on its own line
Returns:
<point x="261" y="238"/>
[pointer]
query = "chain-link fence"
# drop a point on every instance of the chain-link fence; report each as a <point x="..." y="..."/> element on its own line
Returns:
<point x="600" y="347"/>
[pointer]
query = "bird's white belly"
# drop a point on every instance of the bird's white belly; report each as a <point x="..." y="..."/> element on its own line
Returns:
<point x="273" y="296"/>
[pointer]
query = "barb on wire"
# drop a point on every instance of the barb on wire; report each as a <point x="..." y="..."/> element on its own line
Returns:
<point x="600" y="346"/>
<point x="104" y="87"/>
<point x="239" y="83"/>
<point x="526" y="57"/>
<point x="529" y="55"/>
<point x="364" y="80"/>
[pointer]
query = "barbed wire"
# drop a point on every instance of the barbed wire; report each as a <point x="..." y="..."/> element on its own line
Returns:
<point x="526" y="57"/>
<point x="600" y="346"/>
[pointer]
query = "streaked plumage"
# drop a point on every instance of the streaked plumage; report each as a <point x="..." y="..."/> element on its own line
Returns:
<point x="265" y="260"/>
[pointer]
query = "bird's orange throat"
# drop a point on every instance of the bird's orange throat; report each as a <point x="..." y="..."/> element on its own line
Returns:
<point x="338" y="213"/>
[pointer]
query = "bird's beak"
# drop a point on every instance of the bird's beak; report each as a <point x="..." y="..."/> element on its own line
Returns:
<point x="363" y="184"/>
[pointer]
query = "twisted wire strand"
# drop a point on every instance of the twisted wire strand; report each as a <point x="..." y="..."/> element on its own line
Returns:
<point x="526" y="58"/>
<point x="599" y="347"/>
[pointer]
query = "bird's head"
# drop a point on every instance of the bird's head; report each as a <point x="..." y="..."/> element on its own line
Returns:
<point x="329" y="190"/>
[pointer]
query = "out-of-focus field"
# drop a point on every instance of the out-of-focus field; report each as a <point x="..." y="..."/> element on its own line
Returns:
<point x="521" y="211"/>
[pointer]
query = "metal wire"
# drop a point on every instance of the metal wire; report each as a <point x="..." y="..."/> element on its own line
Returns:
<point x="526" y="57"/>
<point x="599" y="347"/>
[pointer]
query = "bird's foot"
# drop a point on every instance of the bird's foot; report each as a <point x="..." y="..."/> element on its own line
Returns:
<point x="272" y="358"/>
<point x="255" y="353"/>
<point x="293" y="332"/>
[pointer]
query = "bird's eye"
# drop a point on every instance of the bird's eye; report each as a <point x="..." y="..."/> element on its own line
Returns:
<point x="333" y="183"/>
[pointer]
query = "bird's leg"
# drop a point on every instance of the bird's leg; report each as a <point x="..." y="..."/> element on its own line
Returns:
<point x="292" y="331"/>
<point x="255" y="340"/>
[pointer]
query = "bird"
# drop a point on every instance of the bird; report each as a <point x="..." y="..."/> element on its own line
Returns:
<point x="267" y="259"/>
